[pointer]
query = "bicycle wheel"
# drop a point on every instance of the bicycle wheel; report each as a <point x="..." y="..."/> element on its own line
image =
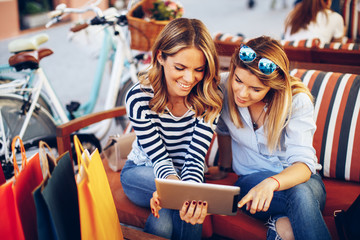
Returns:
<point x="120" y="101"/>
<point x="41" y="125"/>
<point x="42" y="100"/>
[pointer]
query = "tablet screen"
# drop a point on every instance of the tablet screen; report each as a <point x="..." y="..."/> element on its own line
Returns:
<point x="222" y="199"/>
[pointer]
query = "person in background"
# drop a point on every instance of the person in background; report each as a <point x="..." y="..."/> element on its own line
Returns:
<point x="265" y="134"/>
<point x="251" y="4"/>
<point x="314" y="19"/>
<point x="174" y="111"/>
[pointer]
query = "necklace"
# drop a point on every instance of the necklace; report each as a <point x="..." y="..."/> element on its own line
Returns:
<point x="254" y="123"/>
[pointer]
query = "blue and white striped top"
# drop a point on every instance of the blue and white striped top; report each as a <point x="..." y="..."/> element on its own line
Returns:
<point x="174" y="145"/>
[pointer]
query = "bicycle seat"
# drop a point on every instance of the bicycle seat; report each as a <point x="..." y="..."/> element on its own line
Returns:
<point x="28" y="60"/>
<point x="27" y="44"/>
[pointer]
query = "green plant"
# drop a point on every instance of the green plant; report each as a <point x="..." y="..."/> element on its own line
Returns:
<point x="33" y="7"/>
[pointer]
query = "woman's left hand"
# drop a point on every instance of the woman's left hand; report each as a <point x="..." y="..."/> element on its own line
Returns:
<point x="259" y="197"/>
<point x="194" y="212"/>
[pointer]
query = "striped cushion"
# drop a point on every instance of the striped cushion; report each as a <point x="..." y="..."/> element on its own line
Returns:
<point x="337" y="105"/>
<point x="226" y="37"/>
<point x="308" y="43"/>
<point x="345" y="46"/>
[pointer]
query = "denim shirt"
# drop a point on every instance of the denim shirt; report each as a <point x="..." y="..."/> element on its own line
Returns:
<point x="249" y="147"/>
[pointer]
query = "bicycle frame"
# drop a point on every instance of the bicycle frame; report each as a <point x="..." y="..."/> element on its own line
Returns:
<point x="122" y="58"/>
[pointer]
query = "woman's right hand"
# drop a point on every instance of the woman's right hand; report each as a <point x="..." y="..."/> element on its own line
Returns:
<point x="259" y="197"/>
<point x="155" y="204"/>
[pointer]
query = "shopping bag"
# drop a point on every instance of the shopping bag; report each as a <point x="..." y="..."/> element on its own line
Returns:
<point x="45" y="224"/>
<point x="56" y="199"/>
<point x="117" y="149"/>
<point x="98" y="216"/>
<point x="18" y="212"/>
<point x="348" y="221"/>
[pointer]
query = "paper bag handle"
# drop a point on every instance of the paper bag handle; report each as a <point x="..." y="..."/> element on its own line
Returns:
<point x="44" y="159"/>
<point x="23" y="155"/>
<point x="79" y="150"/>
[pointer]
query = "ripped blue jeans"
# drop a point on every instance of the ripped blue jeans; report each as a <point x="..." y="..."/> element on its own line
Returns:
<point x="302" y="204"/>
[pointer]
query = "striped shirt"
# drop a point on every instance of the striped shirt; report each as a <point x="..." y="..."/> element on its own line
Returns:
<point x="174" y="145"/>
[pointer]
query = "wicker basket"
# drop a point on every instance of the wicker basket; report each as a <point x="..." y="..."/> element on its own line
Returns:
<point x="143" y="33"/>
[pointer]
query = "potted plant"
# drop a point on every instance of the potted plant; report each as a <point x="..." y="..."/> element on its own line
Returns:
<point x="165" y="10"/>
<point x="148" y="17"/>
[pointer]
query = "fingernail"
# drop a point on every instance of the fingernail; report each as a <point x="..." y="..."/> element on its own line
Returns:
<point x="204" y="204"/>
<point x="186" y="203"/>
<point x="199" y="203"/>
<point x="157" y="202"/>
<point x="239" y="205"/>
<point x="193" y="202"/>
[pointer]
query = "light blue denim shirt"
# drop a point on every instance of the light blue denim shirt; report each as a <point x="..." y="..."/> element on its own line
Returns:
<point x="249" y="148"/>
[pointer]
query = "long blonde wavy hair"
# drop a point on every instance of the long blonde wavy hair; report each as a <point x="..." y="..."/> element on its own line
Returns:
<point x="282" y="87"/>
<point x="205" y="98"/>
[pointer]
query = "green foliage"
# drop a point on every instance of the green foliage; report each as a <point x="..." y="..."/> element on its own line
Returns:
<point x="33" y="7"/>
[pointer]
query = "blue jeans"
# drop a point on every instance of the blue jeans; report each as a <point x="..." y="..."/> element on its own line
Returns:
<point x="138" y="182"/>
<point x="302" y="204"/>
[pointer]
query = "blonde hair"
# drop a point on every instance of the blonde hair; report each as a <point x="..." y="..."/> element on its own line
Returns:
<point x="282" y="87"/>
<point x="181" y="33"/>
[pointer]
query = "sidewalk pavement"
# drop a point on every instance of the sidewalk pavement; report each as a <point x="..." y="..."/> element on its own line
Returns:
<point x="71" y="67"/>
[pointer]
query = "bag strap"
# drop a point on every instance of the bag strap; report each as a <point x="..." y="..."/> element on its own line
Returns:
<point x="23" y="155"/>
<point x="44" y="159"/>
<point x="79" y="152"/>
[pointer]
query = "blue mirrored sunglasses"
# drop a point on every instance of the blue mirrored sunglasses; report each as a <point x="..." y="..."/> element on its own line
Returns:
<point x="247" y="55"/>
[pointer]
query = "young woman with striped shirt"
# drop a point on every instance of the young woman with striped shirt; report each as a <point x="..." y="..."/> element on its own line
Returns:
<point x="174" y="111"/>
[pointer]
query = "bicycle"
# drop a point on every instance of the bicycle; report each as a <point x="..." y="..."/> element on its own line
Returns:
<point x="31" y="100"/>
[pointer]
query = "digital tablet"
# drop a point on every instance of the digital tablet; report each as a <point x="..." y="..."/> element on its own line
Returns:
<point x="222" y="199"/>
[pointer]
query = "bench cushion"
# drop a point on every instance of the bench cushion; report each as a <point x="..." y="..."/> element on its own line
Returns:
<point x="341" y="46"/>
<point x="306" y="43"/>
<point x="337" y="105"/>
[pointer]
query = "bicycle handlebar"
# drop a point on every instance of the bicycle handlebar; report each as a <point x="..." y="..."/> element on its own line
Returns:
<point x="62" y="10"/>
<point x="79" y="27"/>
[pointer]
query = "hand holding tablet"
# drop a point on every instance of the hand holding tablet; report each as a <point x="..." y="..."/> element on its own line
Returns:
<point x="221" y="199"/>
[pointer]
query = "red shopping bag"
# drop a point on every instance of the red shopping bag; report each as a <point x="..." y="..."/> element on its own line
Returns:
<point x="18" y="213"/>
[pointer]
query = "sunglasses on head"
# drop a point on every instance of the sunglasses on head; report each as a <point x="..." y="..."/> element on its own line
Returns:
<point x="248" y="55"/>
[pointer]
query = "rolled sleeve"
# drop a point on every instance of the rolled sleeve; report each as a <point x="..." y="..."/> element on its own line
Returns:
<point x="299" y="133"/>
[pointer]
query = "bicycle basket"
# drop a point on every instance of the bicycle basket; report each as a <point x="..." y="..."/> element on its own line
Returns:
<point x="143" y="32"/>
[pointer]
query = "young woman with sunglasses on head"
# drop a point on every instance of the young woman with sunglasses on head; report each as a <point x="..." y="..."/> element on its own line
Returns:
<point x="265" y="132"/>
<point x="174" y="110"/>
